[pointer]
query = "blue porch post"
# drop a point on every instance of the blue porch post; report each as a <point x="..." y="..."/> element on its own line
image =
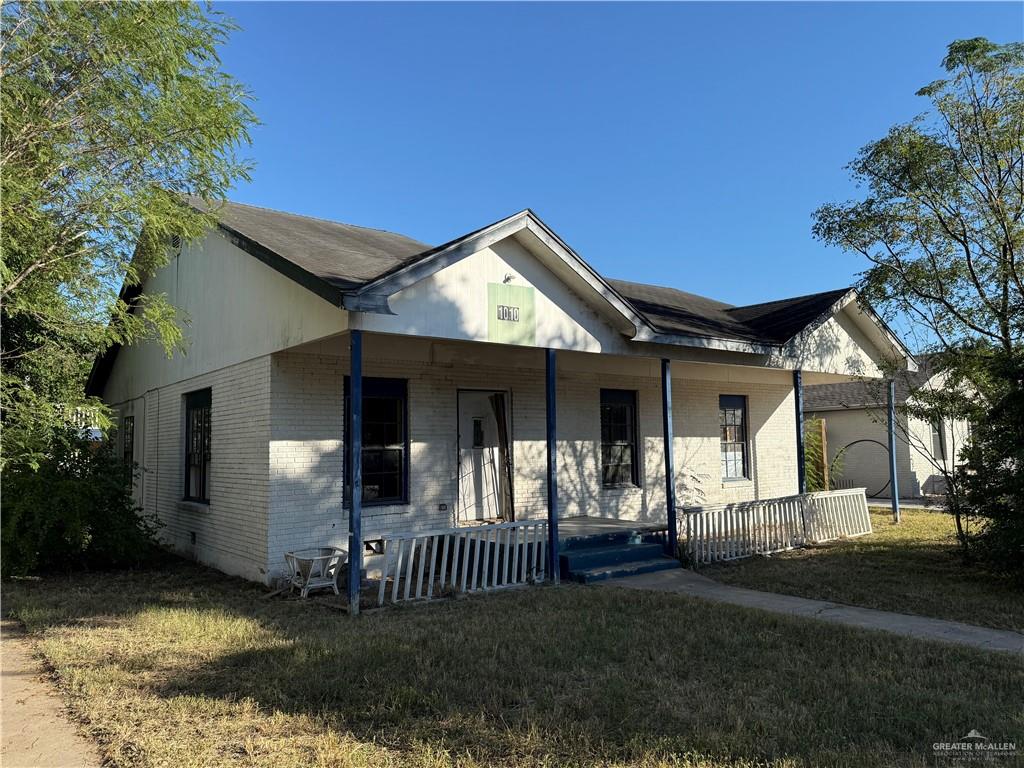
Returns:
<point x="550" y="379"/>
<point x="894" y="486"/>
<point x="354" y="462"/>
<point x="670" y="465"/>
<point x="801" y="465"/>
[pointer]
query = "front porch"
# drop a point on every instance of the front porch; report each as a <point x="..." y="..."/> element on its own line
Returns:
<point x="587" y="526"/>
<point x="445" y="562"/>
<point x="418" y="480"/>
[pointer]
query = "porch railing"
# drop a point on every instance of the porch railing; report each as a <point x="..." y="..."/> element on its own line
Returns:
<point x="733" y="531"/>
<point x="431" y="564"/>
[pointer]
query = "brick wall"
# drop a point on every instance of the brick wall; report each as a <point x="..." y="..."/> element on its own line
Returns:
<point x="306" y="445"/>
<point x="306" y="434"/>
<point x="231" y="532"/>
<point x="277" y="452"/>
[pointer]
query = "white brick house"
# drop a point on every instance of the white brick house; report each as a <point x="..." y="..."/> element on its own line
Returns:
<point x="241" y="440"/>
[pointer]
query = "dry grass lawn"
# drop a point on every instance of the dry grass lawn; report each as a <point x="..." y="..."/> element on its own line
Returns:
<point x="180" y="667"/>
<point x="913" y="567"/>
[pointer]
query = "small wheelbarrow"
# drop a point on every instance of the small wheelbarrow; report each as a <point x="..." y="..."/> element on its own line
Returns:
<point x="316" y="568"/>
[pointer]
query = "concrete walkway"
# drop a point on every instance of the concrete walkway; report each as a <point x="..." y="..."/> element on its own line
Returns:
<point x="918" y="505"/>
<point x="35" y="731"/>
<point x="686" y="582"/>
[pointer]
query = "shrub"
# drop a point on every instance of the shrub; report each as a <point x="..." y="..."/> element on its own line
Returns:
<point x="74" y="510"/>
<point x="993" y="476"/>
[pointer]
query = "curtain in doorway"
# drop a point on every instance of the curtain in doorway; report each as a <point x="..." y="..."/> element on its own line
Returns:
<point x="504" y="455"/>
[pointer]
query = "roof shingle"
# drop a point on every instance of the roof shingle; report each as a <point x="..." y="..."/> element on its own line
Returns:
<point x="332" y="256"/>
<point x="343" y="255"/>
<point x="348" y="257"/>
<point x="868" y="394"/>
<point x="774" y="322"/>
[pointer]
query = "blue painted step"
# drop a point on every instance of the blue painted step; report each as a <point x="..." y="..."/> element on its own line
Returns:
<point x="597" y="557"/>
<point x="583" y="558"/>
<point x="601" y="540"/>
<point x="603" y="572"/>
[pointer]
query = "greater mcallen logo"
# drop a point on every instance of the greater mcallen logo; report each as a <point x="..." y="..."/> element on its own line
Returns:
<point x="974" y="748"/>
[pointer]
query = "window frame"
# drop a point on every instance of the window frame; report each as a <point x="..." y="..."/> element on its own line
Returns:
<point x="938" y="430"/>
<point x="128" y="439"/>
<point x="734" y="403"/>
<point x="199" y="400"/>
<point x="378" y="387"/>
<point x="610" y="398"/>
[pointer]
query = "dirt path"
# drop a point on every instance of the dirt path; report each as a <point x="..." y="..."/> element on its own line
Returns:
<point x="35" y="730"/>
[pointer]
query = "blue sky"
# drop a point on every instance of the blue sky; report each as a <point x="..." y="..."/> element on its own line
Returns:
<point x="676" y="144"/>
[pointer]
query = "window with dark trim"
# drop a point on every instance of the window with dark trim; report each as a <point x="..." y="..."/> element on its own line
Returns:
<point x="938" y="440"/>
<point x="732" y="420"/>
<point x="385" y="461"/>
<point x="618" y="438"/>
<point x="197" y="446"/>
<point x="128" y="439"/>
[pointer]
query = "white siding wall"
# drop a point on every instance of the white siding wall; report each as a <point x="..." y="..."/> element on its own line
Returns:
<point x="233" y="308"/>
<point x="453" y="304"/>
<point x="839" y="346"/>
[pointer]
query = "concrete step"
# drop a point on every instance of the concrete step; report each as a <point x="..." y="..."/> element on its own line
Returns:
<point x="591" y="557"/>
<point x="605" y="572"/>
<point x="601" y="540"/>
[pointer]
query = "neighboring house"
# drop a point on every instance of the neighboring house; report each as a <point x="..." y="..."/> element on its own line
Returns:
<point x="855" y="416"/>
<point x="241" y="440"/>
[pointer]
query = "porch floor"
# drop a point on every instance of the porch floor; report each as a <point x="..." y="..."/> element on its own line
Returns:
<point x="583" y="526"/>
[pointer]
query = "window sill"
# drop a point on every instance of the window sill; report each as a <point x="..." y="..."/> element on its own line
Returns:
<point x="737" y="482"/>
<point x="366" y="504"/>
<point x="193" y="506"/>
<point x="622" y="487"/>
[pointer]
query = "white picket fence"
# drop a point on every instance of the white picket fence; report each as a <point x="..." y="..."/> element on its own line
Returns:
<point x="837" y="514"/>
<point x="732" y="531"/>
<point x="429" y="564"/>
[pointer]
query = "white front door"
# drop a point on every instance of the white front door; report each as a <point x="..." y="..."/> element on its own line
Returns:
<point x="483" y="477"/>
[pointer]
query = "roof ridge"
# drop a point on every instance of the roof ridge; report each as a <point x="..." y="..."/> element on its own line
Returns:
<point x="434" y="249"/>
<point x="724" y="305"/>
<point x="792" y="298"/>
<point x="325" y="221"/>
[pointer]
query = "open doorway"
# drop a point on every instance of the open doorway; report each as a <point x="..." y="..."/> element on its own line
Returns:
<point x="485" y="456"/>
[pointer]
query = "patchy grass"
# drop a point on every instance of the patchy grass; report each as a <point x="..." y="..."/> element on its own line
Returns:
<point x="183" y="668"/>
<point x="913" y="567"/>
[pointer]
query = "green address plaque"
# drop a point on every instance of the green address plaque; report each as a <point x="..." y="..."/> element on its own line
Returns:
<point x="510" y="314"/>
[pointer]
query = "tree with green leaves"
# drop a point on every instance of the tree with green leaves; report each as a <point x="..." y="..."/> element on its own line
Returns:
<point x="941" y="223"/>
<point x="942" y="227"/>
<point x="110" y="111"/>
